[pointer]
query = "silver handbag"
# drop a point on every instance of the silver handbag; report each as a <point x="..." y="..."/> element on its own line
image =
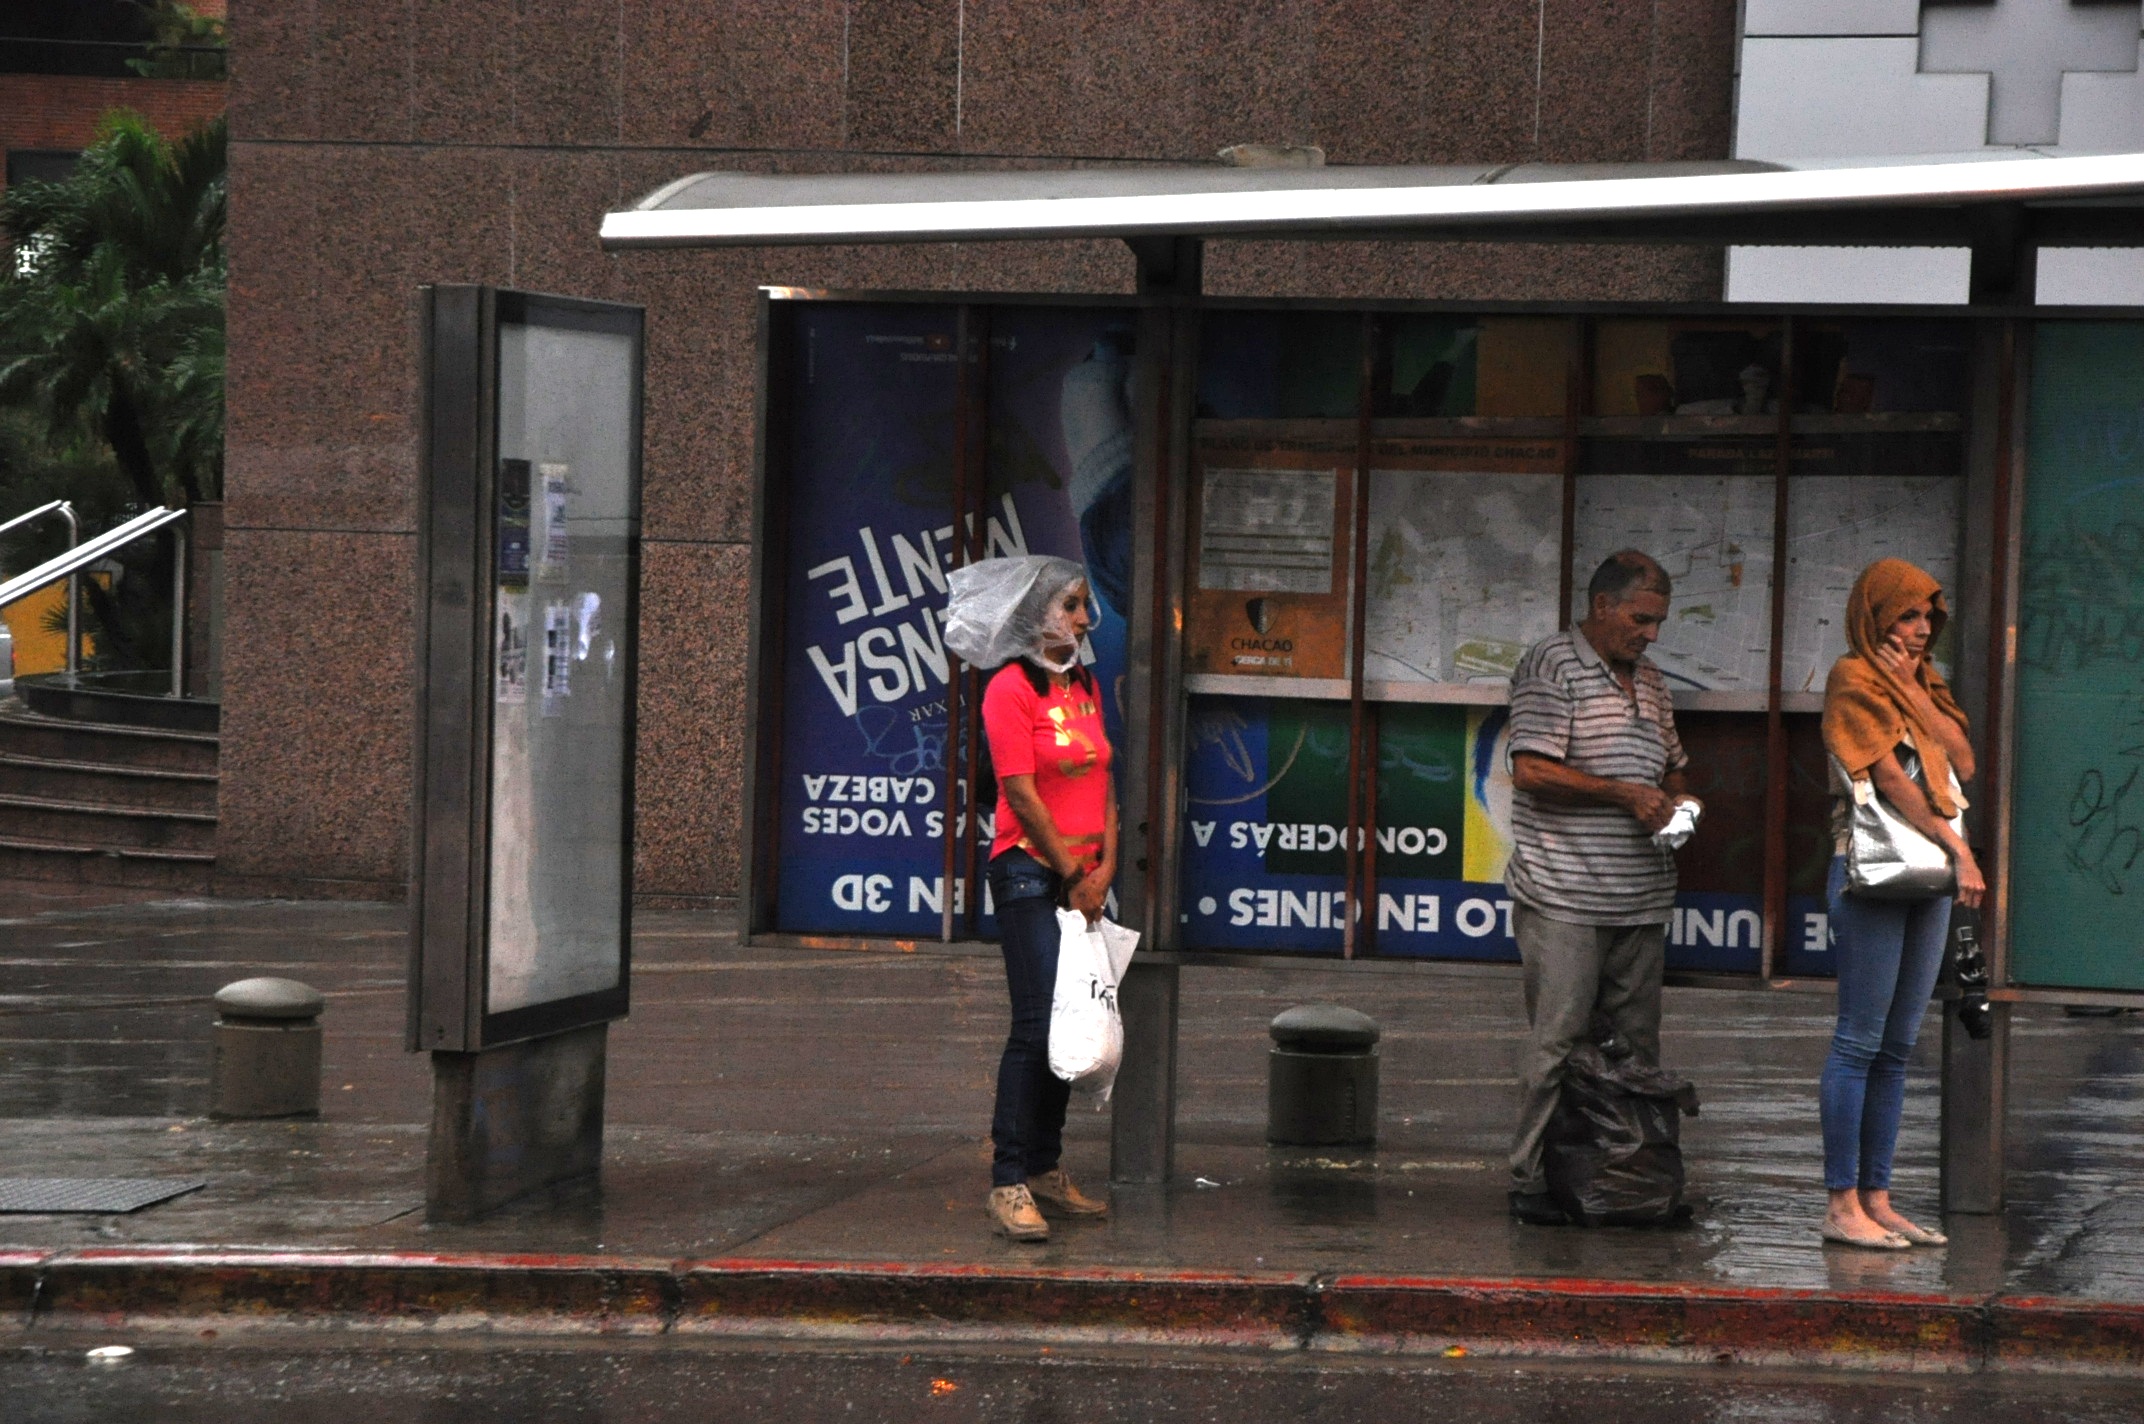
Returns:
<point x="1886" y="858"/>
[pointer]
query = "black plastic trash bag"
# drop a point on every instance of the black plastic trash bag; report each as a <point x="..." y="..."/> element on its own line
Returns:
<point x="1613" y="1152"/>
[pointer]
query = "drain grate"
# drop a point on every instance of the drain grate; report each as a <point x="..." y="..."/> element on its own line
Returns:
<point x="93" y="1194"/>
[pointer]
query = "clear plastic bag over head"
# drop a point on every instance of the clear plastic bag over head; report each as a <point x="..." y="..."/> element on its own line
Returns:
<point x="1000" y="609"/>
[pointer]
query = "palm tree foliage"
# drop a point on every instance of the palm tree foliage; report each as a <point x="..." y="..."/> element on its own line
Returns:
<point x="185" y="44"/>
<point x="112" y="356"/>
<point x="111" y="319"/>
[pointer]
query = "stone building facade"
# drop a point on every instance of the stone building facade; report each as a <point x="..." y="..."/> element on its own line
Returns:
<point x="379" y="147"/>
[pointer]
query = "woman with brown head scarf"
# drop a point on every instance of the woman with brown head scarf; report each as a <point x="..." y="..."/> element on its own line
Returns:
<point x="1884" y="696"/>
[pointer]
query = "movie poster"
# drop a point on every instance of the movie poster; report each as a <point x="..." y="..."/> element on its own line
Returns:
<point x="865" y="746"/>
<point x="1265" y="849"/>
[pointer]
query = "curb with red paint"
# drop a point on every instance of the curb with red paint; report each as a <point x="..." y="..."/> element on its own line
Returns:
<point x="179" y="1289"/>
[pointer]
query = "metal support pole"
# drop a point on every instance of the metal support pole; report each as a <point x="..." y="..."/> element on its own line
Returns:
<point x="1975" y="1074"/>
<point x="1143" y="1105"/>
<point x="1358" y="847"/>
<point x="178" y="610"/>
<point x="956" y="828"/>
<point x="1143" y="1121"/>
<point x="74" y="596"/>
<point x="1772" y="942"/>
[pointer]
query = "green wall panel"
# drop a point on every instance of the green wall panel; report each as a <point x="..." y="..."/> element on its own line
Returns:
<point x="2077" y="907"/>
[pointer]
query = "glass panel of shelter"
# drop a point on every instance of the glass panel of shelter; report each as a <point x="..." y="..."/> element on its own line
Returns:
<point x="1506" y="456"/>
<point x="873" y="398"/>
<point x="1501" y="456"/>
<point x="917" y="437"/>
<point x="2078" y="805"/>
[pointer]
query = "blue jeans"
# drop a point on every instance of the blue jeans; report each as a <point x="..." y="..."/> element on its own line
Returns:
<point x="1027" y="1128"/>
<point x="1888" y="953"/>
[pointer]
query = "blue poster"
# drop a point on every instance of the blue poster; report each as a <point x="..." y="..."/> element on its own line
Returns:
<point x="1805" y="950"/>
<point x="1443" y="833"/>
<point x="1264" y="865"/>
<point x="1264" y="843"/>
<point x="864" y="751"/>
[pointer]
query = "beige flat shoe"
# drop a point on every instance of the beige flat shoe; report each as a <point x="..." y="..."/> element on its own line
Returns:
<point x="1921" y="1236"/>
<point x="1012" y="1213"/>
<point x="1054" y="1188"/>
<point x="1889" y="1241"/>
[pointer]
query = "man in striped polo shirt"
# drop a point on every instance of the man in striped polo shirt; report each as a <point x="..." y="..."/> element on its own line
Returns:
<point x="1596" y="769"/>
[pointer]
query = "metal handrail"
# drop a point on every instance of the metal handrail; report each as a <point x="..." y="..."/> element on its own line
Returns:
<point x="80" y="557"/>
<point x="41" y="510"/>
<point x="74" y="581"/>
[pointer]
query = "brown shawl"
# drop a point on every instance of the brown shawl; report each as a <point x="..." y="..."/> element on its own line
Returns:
<point x="1866" y="711"/>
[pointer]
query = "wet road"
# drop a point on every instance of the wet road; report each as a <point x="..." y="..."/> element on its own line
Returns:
<point x="830" y="1105"/>
<point x="671" y="1382"/>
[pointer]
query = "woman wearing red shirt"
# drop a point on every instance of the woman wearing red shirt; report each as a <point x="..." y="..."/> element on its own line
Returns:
<point x="1055" y="844"/>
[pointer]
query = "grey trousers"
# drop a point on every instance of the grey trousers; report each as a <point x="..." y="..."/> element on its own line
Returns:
<point x="1572" y="970"/>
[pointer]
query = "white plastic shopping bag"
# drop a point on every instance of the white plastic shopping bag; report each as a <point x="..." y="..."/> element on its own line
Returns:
<point x="1086" y="1035"/>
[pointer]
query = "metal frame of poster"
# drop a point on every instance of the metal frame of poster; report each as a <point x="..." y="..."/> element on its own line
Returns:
<point x="522" y="803"/>
<point x="1852" y="409"/>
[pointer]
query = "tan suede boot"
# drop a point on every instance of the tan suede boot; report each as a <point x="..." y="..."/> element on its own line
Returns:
<point x="1012" y="1213"/>
<point x="1054" y="1188"/>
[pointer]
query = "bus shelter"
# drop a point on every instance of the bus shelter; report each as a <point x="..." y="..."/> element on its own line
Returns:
<point x="1322" y="532"/>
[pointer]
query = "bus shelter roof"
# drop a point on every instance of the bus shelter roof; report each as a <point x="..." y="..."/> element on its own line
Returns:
<point x="1942" y="200"/>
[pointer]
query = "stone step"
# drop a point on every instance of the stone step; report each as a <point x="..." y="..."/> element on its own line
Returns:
<point x="28" y="858"/>
<point x="100" y="826"/>
<point x="25" y="733"/>
<point x="68" y="779"/>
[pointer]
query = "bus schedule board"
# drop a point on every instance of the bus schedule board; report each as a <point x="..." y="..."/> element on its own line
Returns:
<point x="1269" y="563"/>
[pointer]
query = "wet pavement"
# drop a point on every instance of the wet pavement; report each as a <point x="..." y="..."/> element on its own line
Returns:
<point x="658" y="1382"/>
<point x="832" y="1105"/>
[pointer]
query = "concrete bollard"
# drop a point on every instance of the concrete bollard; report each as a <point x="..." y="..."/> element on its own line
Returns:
<point x="1322" y="1085"/>
<point x="266" y="1058"/>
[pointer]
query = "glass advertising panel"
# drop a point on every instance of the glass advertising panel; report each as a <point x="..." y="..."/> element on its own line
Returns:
<point x="863" y="694"/>
<point x="875" y="412"/>
<point x="1709" y="368"/>
<point x="1279" y="365"/>
<point x="1805" y="944"/>
<point x="560" y="714"/>
<point x="1503" y="460"/>
<point x="1265" y="799"/>
<point x="1060" y="457"/>
<point x="1443" y="813"/>
<point x="2077" y="817"/>
<point x="1718" y="922"/>
<point x="1840" y="524"/>
<point x="1878" y="473"/>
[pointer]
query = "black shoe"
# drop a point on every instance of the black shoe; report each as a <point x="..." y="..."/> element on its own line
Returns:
<point x="1537" y="1209"/>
